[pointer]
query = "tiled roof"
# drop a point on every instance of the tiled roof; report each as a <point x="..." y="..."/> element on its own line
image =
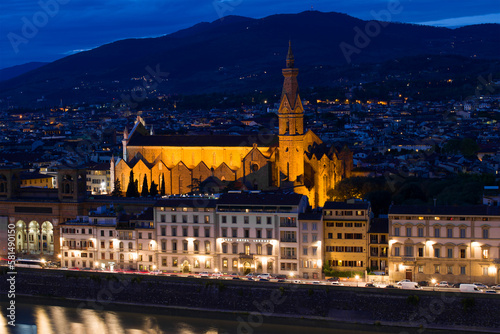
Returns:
<point x="346" y="206"/>
<point x="188" y="202"/>
<point x="261" y="198"/>
<point x="202" y="140"/>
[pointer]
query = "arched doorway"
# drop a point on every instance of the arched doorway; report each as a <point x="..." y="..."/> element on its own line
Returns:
<point x="186" y="267"/>
<point x="21" y="239"/>
<point x="34" y="237"/>
<point x="47" y="237"/>
<point x="246" y="267"/>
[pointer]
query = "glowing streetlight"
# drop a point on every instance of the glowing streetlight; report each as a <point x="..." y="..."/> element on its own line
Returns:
<point x="433" y="281"/>
<point x="357" y="280"/>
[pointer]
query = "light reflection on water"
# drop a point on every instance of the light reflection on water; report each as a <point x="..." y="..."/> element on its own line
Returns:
<point x="50" y="319"/>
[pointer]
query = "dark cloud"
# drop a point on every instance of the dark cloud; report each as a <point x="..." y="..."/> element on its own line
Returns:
<point x="84" y="24"/>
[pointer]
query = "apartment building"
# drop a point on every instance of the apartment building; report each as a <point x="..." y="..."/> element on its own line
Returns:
<point x="311" y="245"/>
<point x="449" y="243"/>
<point x="346" y="234"/>
<point x="378" y="244"/>
<point x="185" y="229"/>
<point x="258" y="232"/>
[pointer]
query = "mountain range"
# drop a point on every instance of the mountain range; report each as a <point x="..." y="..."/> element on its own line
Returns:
<point x="238" y="54"/>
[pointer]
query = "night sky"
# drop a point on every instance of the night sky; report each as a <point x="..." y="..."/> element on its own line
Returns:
<point x="65" y="27"/>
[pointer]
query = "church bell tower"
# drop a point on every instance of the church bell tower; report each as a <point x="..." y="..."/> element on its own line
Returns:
<point x="291" y="126"/>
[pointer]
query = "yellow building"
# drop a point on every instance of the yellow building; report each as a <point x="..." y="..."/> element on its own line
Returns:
<point x="294" y="159"/>
<point x="33" y="179"/>
<point x="345" y="235"/>
<point x="445" y="243"/>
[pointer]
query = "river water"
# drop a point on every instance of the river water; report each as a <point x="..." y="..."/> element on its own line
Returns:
<point x="46" y="317"/>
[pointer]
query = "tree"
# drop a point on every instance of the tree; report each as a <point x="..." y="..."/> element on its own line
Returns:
<point x="145" y="188"/>
<point x="153" y="191"/>
<point x="117" y="191"/>
<point x="162" y="187"/>
<point x="132" y="186"/>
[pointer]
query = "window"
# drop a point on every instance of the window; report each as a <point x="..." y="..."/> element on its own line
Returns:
<point x="437" y="268"/>
<point x="421" y="269"/>
<point x="207" y="233"/>
<point x="235" y="263"/>
<point x="195" y="232"/>
<point x="224" y="232"/>
<point x="437" y="252"/>
<point x="269" y="249"/>
<point x="420" y="231"/>
<point x="185" y="246"/>
<point x="259" y="233"/>
<point x="184" y="232"/>
<point x="259" y="249"/>
<point x="450" y="253"/>
<point x="195" y="219"/>
<point x="174" y="262"/>
<point x="437" y="231"/>
<point x="208" y="264"/>
<point x="140" y="235"/>
<point x="396" y="231"/>
<point x="269" y="234"/>
<point x="164" y="261"/>
<point x="339" y="235"/>
<point x="315" y="251"/>
<point x="304" y="226"/>
<point x="163" y="246"/>
<point x="314" y="226"/>
<point x="485" y="271"/>
<point x="462" y="270"/>
<point x="163" y="231"/>
<point x="174" y="231"/>
<point x="247" y="249"/>
<point x="234" y="232"/>
<point x="409" y="250"/>
<point x="408" y="231"/>
<point x="207" y="219"/>
<point x="224" y="219"/>
<point x="485" y="253"/>
<point x="246" y="220"/>
<point x="259" y="220"/>
<point x="304" y="251"/>
<point x="269" y="220"/>
<point x="330" y="236"/>
<point x="462" y="253"/>
<point x="224" y="248"/>
<point x="485" y="233"/>
<point x="246" y="233"/>
<point x="449" y="233"/>
<point x="102" y="233"/>
<point x="196" y="246"/>
<point x="233" y="218"/>
<point x="224" y="263"/>
<point x="396" y="251"/>
<point x="196" y="263"/>
<point x="162" y="218"/>
<point x="314" y="237"/>
<point x="174" y="218"/>
<point x="420" y="251"/>
<point x="449" y="269"/>
<point x="235" y="248"/>
<point x="110" y="233"/>
<point x="462" y="233"/>
<point x="150" y="236"/>
<point x="184" y="218"/>
<point x="174" y="246"/>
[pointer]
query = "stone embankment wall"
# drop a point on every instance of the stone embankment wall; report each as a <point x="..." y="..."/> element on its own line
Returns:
<point x="258" y="300"/>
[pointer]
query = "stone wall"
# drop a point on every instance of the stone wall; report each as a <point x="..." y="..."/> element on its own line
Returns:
<point x="257" y="300"/>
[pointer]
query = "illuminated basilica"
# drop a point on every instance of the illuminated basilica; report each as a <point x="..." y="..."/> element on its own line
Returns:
<point x="294" y="160"/>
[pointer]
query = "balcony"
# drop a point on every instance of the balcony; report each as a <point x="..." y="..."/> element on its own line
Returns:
<point x="406" y="258"/>
<point x="288" y="239"/>
<point x="286" y="224"/>
<point x="289" y="257"/>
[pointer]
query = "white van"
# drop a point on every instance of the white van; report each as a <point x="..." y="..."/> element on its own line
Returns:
<point x="469" y="288"/>
<point x="410" y="286"/>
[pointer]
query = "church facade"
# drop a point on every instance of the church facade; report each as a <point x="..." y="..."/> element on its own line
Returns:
<point x="293" y="160"/>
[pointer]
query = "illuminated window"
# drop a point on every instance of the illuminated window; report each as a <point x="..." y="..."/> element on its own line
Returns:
<point x="485" y="253"/>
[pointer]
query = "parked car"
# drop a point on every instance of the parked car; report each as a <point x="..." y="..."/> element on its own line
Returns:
<point x="480" y="285"/>
<point x="469" y="288"/>
<point x="410" y="286"/>
<point x="333" y="279"/>
<point x="443" y="284"/>
<point x="204" y="274"/>
<point x="280" y="277"/>
<point x="390" y="286"/>
<point x="266" y="276"/>
<point x="423" y="283"/>
<point x="337" y="283"/>
<point x="370" y="285"/>
<point x="403" y="281"/>
<point x="217" y="275"/>
<point x="490" y="291"/>
<point x="495" y="287"/>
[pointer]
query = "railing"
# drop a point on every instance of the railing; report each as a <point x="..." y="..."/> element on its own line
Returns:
<point x="289" y="257"/>
<point x="288" y="240"/>
<point x="288" y="224"/>
<point x="408" y="258"/>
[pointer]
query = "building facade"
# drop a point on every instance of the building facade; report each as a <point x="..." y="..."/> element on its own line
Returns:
<point x="311" y="245"/>
<point x="293" y="159"/>
<point x="378" y="244"/>
<point x="445" y="243"/>
<point x="346" y="227"/>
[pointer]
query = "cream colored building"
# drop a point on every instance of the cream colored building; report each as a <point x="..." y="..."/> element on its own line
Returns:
<point x="346" y="234"/>
<point x="311" y="245"/>
<point x="445" y="243"/>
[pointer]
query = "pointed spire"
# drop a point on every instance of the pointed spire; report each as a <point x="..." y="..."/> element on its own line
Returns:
<point x="290" y="60"/>
<point x="125" y="133"/>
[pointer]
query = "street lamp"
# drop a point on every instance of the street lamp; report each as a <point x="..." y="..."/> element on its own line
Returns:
<point x="433" y="281"/>
<point x="357" y="280"/>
